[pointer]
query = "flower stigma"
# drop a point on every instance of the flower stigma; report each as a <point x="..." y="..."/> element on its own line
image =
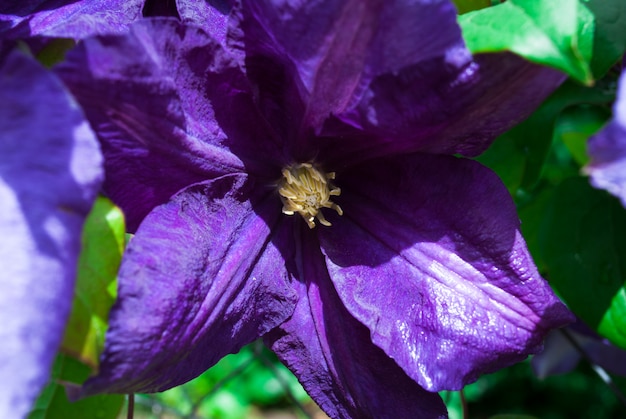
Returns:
<point x="306" y="190"/>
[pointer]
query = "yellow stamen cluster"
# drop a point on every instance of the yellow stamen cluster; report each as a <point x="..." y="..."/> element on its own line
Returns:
<point x="306" y="190"/>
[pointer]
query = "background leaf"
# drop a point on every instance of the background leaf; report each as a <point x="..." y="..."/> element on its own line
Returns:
<point x="610" y="34"/>
<point x="519" y="155"/>
<point x="584" y="248"/>
<point x="53" y="402"/>
<point x="103" y="244"/>
<point x="557" y="34"/>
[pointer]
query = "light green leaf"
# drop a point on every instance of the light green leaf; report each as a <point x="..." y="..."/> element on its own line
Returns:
<point x="613" y="323"/>
<point x="553" y="33"/>
<point x="103" y="244"/>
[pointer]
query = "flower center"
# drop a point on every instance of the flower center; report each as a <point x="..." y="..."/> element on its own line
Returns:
<point x="306" y="190"/>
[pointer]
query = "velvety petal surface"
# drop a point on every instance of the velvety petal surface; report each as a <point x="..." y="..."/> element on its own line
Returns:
<point x="332" y="355"/>
<point x="438" y="108"/>
<point x="171" y="107"/>
<point x="607" y="150"/>
<point x="211" y="15"/>
<point x="66" y="18"/>
<point x="429" y="256"/>
<point x="338" y="47"/>
<point x="202" y="277"/>
<point x="50" y="172"/>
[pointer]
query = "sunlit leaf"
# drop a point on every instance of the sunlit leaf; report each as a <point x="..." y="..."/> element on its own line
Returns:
<point x="613" y="324"/>
<point x="103" y="244"/>
<point x="553" y="33"/>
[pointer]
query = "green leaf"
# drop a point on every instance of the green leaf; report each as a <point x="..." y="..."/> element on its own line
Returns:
<point x="53" y="403"/>
<point x="103" y="244"/>
<point x="613" y="324"/>
<point x="610" y="34"/>
<point x="518" y="156"/>
<point x="54" y="51"/>
<point x="584" y="249"/>
<point x="532" y="214"/>
<point x="553" y="33"/>
<point x="464" y="6"/>
<point x="576" y="124"/>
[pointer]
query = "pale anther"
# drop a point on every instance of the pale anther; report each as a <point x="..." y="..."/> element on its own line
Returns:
<point x="304" y="189"/>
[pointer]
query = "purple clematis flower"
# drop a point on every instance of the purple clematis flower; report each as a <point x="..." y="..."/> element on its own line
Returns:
<point x="295" y="180"/>
<point x="50" y="172"/>
<point x="66" y="18"/>
<point x="607" y="150"/>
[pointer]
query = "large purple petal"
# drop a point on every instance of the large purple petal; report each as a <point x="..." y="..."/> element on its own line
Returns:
<point x="66" y="18"/>
<point x="201" y="278"/>
<point x="337" y="47"/>
<point x="428" y="255"/>
<point x="607" y="150"/>
<point x="50" y="172"/>
<point x="171" y="107"/>
<point x="438" y="108"/>
<point x="332" y="354"/>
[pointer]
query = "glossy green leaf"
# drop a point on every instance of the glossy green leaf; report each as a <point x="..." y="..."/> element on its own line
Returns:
<point x="584" y="249"/>
<point x="53" y="402"/>
<point x="553" y="33"/>
<point x="610" y="34"/>
<point x="103" y="244"/>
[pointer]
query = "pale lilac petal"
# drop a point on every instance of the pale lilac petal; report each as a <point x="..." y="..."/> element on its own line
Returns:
<point x="66" y="18"/>
<point x="429" y="256"/>
<point x="201" y="278"/>
<point x="439" y="108"/>
<point x="607" y="150"/>
<point x="557" y="357"/>
<point x="50" y="172"/>
<point x="332" y="354"/>
<point x="561" y="355"/>
<point x="171" y="107"/>
<point x="338" y="47"/>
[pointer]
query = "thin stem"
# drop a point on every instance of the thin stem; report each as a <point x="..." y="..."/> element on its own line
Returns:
<point x="268" y="363"/>
<point x="131" y="406"/>
<point x="464" y="404"/>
